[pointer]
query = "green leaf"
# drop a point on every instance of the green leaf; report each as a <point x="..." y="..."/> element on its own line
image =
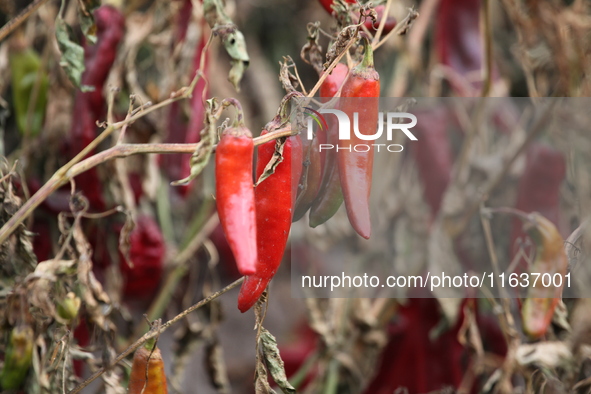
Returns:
<point x="85" y="10"/>
<point x="231" y="37"/>
<point x="72" y="60"/>
<point x="274" y="362"/>
<point x="29" y="82"/>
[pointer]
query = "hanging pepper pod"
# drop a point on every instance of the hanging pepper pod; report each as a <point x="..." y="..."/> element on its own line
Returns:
<point x="147" y="371"/>
<point x="330" y="195"/>
<point x="309" y="183"/>
<point x="274" y="199"/>
<point x="235" y="193"/>
<point x="355" y="167"/>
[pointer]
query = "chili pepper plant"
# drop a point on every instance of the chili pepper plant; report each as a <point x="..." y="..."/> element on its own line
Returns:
<point x="155" y="193"/>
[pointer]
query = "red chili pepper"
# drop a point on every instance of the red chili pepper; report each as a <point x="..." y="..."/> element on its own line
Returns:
<point x="235" y="194"/>
<point x="146" y="253"/>
<point x="274" y="198"/>
<point x="333" y="82"/>
<point x="99" y="58"/>
<point x="458" y="43"/>
<point x="355" y="168"/>
<point x="330" y="195"/>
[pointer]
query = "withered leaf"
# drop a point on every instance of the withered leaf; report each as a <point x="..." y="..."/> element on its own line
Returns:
<point x="274" y="361"/>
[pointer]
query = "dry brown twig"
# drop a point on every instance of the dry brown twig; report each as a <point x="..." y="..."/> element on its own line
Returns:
<point x="18" y="20"/>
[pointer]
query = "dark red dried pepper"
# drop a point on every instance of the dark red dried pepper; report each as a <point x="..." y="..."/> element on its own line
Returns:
<point x="146" y="254"/>
<point x="235" y="194"/>
<point x="309" y="183"/>
<point x="179" y="166"/>
<point x="355" y="167"/>
<point x="330" y="195"/>
<point x="458" y="43"/>
<point x="433" y="156"/>
<point x="89" y="107"/>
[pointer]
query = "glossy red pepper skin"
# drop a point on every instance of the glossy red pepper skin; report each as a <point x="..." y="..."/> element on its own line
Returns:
<point x="330" y="196"/>
<point x="355" y="168"/>
<point x="328" y="90"/>
<point x="274" y="201"/>
<point x="235" y="195"/>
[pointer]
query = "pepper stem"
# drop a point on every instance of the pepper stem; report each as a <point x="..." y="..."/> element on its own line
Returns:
<point x="239" y="119"/>
<point x="150" y="344"/>
<point x="367" y="61"/>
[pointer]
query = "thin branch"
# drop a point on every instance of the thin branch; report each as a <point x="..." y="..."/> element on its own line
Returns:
<point x="15" y="22"/>
<point x="180" y="267"/>
<point x="154" y="333"/>
<point x="400" y="29"/>
<point x="487" y="38"/>
<point x="62" y="177"/>
<point x="376" y="37"/>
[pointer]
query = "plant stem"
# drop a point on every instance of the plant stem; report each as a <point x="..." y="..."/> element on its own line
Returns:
<point x="15" y="22"/>
<point x="72" y="169"/>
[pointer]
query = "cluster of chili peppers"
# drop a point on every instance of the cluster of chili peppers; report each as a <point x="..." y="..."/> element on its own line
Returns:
<point x="319" y="185"/>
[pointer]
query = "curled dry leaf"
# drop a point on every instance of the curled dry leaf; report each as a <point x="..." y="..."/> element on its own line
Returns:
<point x="274" y="361"/>
<point x="87" y="23"/>
<point x="343" y="40"/>
<point x="540" y="304"/>
<point x="311" y="52"/>
<point x="544" y="354"/>
<point x="216" y="367"/>
<point x="261" y="383"/>
<point x="287" y="79"/>
<point x="274" y="162"/>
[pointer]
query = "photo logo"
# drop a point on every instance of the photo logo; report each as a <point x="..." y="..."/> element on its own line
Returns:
<point x="345" y="124"/>
<point x="387" y="123"/>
